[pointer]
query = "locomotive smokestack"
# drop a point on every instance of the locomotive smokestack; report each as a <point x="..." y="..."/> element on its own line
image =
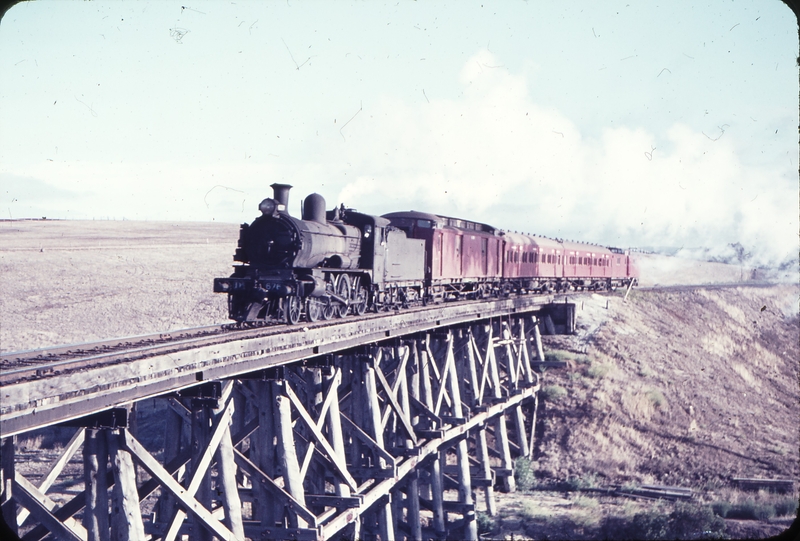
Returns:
<point x="281" y="195"/>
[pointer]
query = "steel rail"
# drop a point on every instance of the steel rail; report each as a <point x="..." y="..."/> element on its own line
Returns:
<point x="52" y="352"/>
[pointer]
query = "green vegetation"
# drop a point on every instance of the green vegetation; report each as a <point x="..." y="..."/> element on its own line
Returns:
<point x="552" y="392"/>
<point x="661" y="522"/>
<point x="485" y="523"/>
<point x="562" y="355"/>
<point x="685" y="521"/>
<point x="585" y="502"/>
<point x="558" y="355"/>
<point x="598" y="370"/>
<point x="750" y="509"/>
<point x="656" y="398"/>
<point x="786" y="506"/>
<point x="524" y="473"/>
<point x="587" y="480"/>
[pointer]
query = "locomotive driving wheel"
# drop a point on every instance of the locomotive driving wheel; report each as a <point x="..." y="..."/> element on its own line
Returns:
<point x="361" y="299"/>
<point x="293" y="306"/>
<point x="327" y="303"/>
<point x="315" y="309"/>
<point x="343" y="291"/>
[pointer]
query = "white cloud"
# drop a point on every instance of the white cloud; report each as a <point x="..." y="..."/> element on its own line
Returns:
<point x="494" y="155"/>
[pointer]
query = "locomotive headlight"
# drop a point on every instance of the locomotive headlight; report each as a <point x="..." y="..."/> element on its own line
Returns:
<point x="268" y="206"/>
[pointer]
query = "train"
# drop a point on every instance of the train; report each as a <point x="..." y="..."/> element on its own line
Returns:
<point x="331" y="263"/>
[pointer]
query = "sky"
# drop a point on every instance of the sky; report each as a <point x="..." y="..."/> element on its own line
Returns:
<point x="629" y="124"/>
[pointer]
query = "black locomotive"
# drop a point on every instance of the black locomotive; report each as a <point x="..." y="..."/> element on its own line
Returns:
<point x="325" y="265"/>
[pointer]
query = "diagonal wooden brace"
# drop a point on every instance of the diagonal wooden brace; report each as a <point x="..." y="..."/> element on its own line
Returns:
<point x="187" y="501"/>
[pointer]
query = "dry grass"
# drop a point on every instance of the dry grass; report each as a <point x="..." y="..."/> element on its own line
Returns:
<point x="667" y="407"/>
<point x="69" y="282"/>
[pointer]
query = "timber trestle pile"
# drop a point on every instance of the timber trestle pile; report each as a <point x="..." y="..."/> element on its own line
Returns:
<point x="397" y="438"/>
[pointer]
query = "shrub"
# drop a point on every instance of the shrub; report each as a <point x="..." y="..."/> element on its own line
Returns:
<point x="585" y="502"/>
<point x="530" y="511"/>
<point x="524" y="473"/>
<point x="587" y="480"/>
<point x="649" y="525"/>
<point x="552" y="392"/>
<point x="750" y="510"/>
<point x="721" y="508"/>
<point x="558" y="355"/>
<point x="597" y="370"/>
<point x="786" y="506"/>
<point x="656" y="398"/>
<point x="485" y="523"/>
<point x="689" y="519"/>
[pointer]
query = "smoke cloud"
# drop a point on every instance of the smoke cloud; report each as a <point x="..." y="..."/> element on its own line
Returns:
<point x="494" y="155"/>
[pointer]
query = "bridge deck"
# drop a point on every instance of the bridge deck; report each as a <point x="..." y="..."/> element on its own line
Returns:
<point x="27" y="405"/>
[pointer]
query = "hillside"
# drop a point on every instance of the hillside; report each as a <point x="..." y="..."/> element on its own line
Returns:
<point x="687" y="388"/>
<point x="679" y="388"/>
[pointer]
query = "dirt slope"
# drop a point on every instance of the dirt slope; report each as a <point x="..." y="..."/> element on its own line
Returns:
<point x="683" y="388"/>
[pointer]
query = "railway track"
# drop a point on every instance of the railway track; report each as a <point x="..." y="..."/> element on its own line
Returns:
<point x="58" y="360"/>
<point x="40" y="363"/>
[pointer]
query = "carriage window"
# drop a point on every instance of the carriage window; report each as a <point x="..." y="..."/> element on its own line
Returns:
<point x="426" y="224"/>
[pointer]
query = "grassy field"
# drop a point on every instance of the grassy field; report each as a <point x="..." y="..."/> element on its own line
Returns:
<point x="68" y="282"/>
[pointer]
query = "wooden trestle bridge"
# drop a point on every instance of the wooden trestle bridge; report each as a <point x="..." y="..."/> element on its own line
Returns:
<point x="385" y="427"/>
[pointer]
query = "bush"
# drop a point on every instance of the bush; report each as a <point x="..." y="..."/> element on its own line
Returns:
<point x="750" y="510"/>
<point x="786" y="506"/>
<point x="558" y="355"/>
<point x="524" y="473"/>
<point x="649" y="525"/>
<point x="587" y="480"/>
<point x="688" y="520"/>
<point x="656" y="398"/>
<point x="597" y="370"/>
<point x="552" y="392"/>
<point x="721" y="508"/>
<point x="585" y="502"/>
<point x="485" y="523"/>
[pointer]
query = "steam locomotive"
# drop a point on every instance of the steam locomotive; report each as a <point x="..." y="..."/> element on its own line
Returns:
<point x="334" y="262"/>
